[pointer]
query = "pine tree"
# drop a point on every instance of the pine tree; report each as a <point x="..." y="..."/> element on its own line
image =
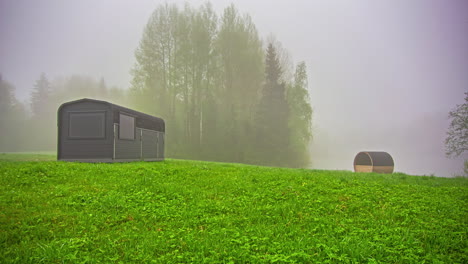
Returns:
<point x="6" y="109"/>
<point x="6" y="97"/>
<point x="40" y="97"/>
<point x="272" y="115"/>
<point x="43" y="118"/>
<point x="12" y="118"/>
<point x="300" y="118"/>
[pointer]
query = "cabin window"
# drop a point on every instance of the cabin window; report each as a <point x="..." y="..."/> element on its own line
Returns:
<point x="127" y="127"/>
<point x="87" y="125"/>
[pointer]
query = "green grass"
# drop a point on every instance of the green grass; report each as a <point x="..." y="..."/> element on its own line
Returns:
<point x="200" y="212"/>
<point x="28" y="156"/>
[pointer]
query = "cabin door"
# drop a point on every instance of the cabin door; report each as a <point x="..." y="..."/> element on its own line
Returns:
<point x="149" y="144"/>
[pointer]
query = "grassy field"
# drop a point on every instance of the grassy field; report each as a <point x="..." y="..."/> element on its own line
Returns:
<point x="189" y="211"/>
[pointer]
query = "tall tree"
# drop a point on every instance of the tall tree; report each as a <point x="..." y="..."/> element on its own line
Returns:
<point x="156" y="81"/>
<point x="40" y="96"/>
<point x="7" y="99"/>
<point x="149" y="76"/>
<point x="7" y="102"/>
<point x="12" y="117"/>
<point x="241" y="65"/>
<point x="43" y="115"/>
<point x="300" y="118"/>
<point x="202" y="34"/>
<point x="272" y="115"/>
<point x="284" y="59"/>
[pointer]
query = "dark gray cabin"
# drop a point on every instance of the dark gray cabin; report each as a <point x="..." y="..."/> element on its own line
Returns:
<point x="97" y="131"/>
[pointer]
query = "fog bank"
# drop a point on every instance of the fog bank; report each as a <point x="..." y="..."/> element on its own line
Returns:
<point x="383" y="75"/>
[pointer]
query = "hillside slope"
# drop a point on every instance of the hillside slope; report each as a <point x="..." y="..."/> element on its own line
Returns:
<point x="190" y="211"/>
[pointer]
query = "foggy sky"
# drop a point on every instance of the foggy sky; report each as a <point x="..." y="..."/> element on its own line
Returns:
<point x="383" y="75"/>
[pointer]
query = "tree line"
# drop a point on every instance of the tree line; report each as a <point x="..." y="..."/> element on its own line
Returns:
<point x="32" y="126"/>
<point x="225" y="94"/>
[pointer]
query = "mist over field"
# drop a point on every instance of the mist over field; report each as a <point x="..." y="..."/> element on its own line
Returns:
<point x="381" y="75"/>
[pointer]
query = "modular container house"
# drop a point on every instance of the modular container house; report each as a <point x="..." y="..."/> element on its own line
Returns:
<point x="373" y="161"/>
<point x="97" y="131"/>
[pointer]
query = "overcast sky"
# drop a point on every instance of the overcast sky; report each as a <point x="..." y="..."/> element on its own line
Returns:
<point x="383" y="75"/>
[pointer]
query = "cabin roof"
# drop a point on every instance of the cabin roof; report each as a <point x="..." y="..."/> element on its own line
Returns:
<point x="143" y="120"/>
<point x="377" y="158"/>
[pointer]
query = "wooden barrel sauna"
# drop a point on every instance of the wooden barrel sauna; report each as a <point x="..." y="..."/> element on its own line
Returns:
<point x="373" y="161"/>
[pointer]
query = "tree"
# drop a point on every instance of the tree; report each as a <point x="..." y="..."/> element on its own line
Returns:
<point x="272" y="116"/>
<point x="7" y="99"/>
<point x="457" y="135"/>
<point x="284" y="59"/>
<point x="300" y="118"/>
<point x="12" y="117"/>
<point x="43" y="117"/>
<point x="6" y="109"/>
<point x="241" y="75"/>
<point x="40" y="96"/>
